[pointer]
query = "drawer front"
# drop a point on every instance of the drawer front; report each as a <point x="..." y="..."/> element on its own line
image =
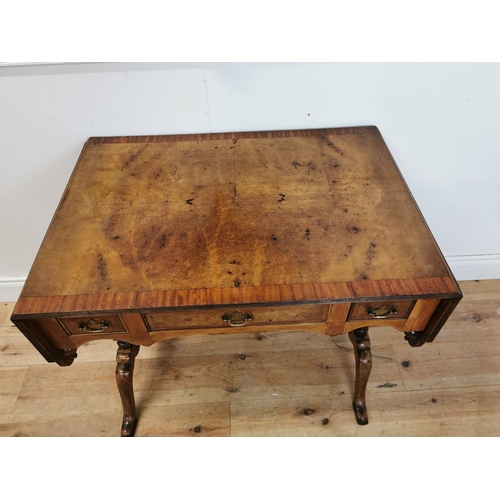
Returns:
<point x="92" y="325"/>
<point x="232" y="316"/>
<point x="380" y="310"/>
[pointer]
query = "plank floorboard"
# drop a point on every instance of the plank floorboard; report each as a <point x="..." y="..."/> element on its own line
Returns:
<point x="442" y="365"/>
<point x="11" y="382"/>
<point x="457" y="412"/>
<point x="187" y="420"/>
<point x="259" y="384"/>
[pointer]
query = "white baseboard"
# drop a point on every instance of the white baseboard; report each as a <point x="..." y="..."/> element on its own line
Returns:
<point x="475" y="267"/>
<point x="464" y="267"/>
<point x="10" y="288"/>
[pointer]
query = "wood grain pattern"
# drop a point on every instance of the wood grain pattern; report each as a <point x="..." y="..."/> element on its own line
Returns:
<point x="443" y="412"/>
<point x="26" y="307"/>
<point x="472" y="363"/>
<point x="73" y="324"/>
<point x="11" y="382"/>
<point x="230" y="135"/>
<point x="420" y="315"/>
<point x="449" y="388"/>
<point x="46" y="342"/>
<point x="363" y="356"/>
<point x="435" y="323"/>
<point x="186" y="420"/>
<point x="319" y="328"/>
<point x="398" y="324"/>
<point x="476" y="314"/>
<point x="158" y="234"/>
<point x="125" y="361"/>
<point x="360" y="311"/>
<point x="337" y="318"/>
<point x="211" y="213"/>
<point x="212" y="318"/>
<point x="138" y="330"/>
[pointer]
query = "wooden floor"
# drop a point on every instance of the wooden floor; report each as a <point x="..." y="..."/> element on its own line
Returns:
<point x="272" y="384"/>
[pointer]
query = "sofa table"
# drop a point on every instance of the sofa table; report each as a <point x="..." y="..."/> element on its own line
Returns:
<point x="166" y="236"/>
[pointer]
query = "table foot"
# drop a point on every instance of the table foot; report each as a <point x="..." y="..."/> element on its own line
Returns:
<point x="128" y="428"/>
<point x="415" y="339"/>
<point x="361" y="342"/>
<point x="125" y="359"/>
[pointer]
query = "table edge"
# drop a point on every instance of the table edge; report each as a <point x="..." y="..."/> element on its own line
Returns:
<point x="257" y="134"/>
<point x="420" y="288"/>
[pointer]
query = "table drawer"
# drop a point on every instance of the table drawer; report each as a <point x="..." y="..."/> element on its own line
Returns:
<point x="380" y="310"/>
<point x="91" y="325"/>
<point x="241" y="316"/>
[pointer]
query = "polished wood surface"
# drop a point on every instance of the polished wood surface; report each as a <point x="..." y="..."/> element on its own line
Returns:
<point x="363" y="356"/>
<point x="213" y="318"/>
<point x="125" y="362"/>
<point x="270" y="214"/>
<point x="321" y="292"/>
<point x="161" y="237"/>
<point x="448" y="388"/>
<point x="368" y="310"/>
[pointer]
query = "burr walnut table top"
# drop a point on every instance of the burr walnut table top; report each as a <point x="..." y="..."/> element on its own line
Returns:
<point x="166" y="236"/>
<point x="263" y="217"/>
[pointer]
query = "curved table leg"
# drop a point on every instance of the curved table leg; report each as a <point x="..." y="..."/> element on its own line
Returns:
<point x="361" y="342"/>
<point x="125" y="358"/>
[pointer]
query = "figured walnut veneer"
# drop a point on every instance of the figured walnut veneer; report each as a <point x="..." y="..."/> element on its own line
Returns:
<point x="161" y="236"/>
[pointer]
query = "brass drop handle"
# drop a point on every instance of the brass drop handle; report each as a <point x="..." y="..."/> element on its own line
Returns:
<point x="381" y="312"/>
<point x="237" y="318"/>
<point x="94" y="326"/>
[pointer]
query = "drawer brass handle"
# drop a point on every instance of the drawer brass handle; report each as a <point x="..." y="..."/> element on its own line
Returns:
<point x="381" y="311"/>
<point x="93" y="325"/>
<point x="237" y="318"/>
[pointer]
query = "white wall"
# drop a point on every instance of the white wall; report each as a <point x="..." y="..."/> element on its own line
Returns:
<point x="441" y="122"/>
